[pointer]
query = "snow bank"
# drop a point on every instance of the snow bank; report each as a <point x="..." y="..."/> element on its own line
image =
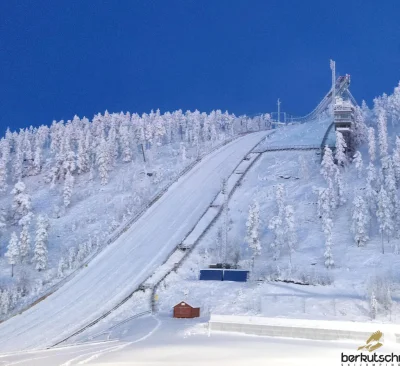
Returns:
<point x="302" y="328"/>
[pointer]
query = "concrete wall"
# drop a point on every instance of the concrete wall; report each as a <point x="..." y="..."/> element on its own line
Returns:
<point x="358" y="332"/>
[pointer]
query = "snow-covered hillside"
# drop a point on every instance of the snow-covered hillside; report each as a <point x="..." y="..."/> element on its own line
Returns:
<point x="324" y="237"/>
<point x="67" y="188"/>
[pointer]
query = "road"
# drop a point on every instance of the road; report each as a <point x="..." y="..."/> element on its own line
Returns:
<point x="135" y="255"/>
<point x="168" y="341"/>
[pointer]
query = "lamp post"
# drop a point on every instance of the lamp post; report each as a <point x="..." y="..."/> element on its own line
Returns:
<point x="279" y="109"/>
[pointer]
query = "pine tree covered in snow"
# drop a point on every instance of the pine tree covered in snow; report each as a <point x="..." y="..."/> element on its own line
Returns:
<point x="340" y="188"/>
<point x="360" y="130"/>
<point x="327" y="227"/>
<point x="62" y="266"/>
<point x="5" y="302"/>
<point x="373" y="306"/>
<point x="40" y="250"/>
<point x="382" y="134"/>
<point x="370" y="190"/>
<point x="340" y="153"/>
<point x="360" y="221"/>
<point x="3" y="224"/>
<point x="384" y="215"/>
<point x="371" y="144"/>
<point x="68" y="188"/>
<point x="21" y="200"/>
<point x="102" y="162"/>
<point x="277" y="224"/>
<point x="358" y="162"/>
<point x="82" y="157"/>
<point x="327" y="165"/>
<point x="24" y="237"/>
<point x="396" y="160"/>
<point x="183" y="152"/>
<point x="253" y="235"/>
<point x="291" y="237"/>
<point x="3" y="175"/>
<point x="126" y="141"/>
<point x="71" y="257"/>
<point x="12" y="253"/>
<point x="18" y="157"/>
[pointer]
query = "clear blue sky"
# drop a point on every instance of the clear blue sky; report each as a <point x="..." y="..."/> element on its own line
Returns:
<point x="60" y="58"/>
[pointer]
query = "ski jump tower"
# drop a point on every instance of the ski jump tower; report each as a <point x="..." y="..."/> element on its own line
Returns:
<point x="343" y="106"/>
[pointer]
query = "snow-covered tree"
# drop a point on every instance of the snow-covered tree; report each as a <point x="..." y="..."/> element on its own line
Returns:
<point x="373" y="305"/>
<point x="40" y="250"/>
<point x="327" y="165"/>
<point x="291" y="237"/>
<point x="62" y="266"/>
<point x="12" y="253"/>
<point x="102" y="161"/>
<point x="71" y="257"/>
<point x="371" y="144"/>
<point x="360" y="130"/>
<point x="82" y="157"/>
<point x="382" y="134"/>
<point x="68" y="188"/>
<point x="277" y="223"/>
<point x="21" y="201"/>
<point x="126" y="141"/>
<point x="277" y="226"/>
<point x="183" y="152"/>
<point x="3" y="175"/>
<point x="396" y="160"/>
<point x="2" y="220"/>
<point x="360" y="221"/>
<point x="358" y="162"/>
<point x="327" y="227"/>
<point x="324" y="206"/>
<point x="112" y="146"/>
<point x="340" y="188"/>
<point x="370" y="191"/>
<point x="340" y="152"/>
<point x="18" y="157"/>
<point x="24" y="237"/>
<point x="253" y="235"/>
<point x="384" y="215"/>
<point x="5" y="302"/>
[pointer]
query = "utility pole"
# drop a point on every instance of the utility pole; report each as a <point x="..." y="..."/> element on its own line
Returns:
<point x="279" y="109"/>
<point x="333" y="68"/>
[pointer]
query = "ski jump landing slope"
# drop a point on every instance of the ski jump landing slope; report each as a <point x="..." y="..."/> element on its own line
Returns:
<point x="135" y="255"/>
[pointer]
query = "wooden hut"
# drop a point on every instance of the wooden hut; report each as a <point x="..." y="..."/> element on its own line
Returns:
<point x="184" y="310"/>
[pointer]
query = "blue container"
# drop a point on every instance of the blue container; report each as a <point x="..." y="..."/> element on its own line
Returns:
<point x="211" y="274"/>
<point x="236" y="275"/>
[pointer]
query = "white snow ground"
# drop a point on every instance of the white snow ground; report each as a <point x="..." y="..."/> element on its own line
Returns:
<point x="167" y="341"/>
<point x="341" y="293"/>
<point x="121" y="267"/>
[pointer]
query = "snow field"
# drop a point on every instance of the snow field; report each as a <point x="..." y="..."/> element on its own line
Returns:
<point x="141" y="250"/>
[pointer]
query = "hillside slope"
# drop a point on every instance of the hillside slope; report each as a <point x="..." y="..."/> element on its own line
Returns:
<point x="122" y="266"/>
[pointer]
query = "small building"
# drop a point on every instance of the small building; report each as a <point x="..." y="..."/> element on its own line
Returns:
<point x="214" y="274"/>
<point x="236" y="275"/>
<point x="223" y="274"/>
<point x="184" y="310"/>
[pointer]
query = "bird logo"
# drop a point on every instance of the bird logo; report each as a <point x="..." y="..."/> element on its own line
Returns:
<point x="373" y="342"/>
